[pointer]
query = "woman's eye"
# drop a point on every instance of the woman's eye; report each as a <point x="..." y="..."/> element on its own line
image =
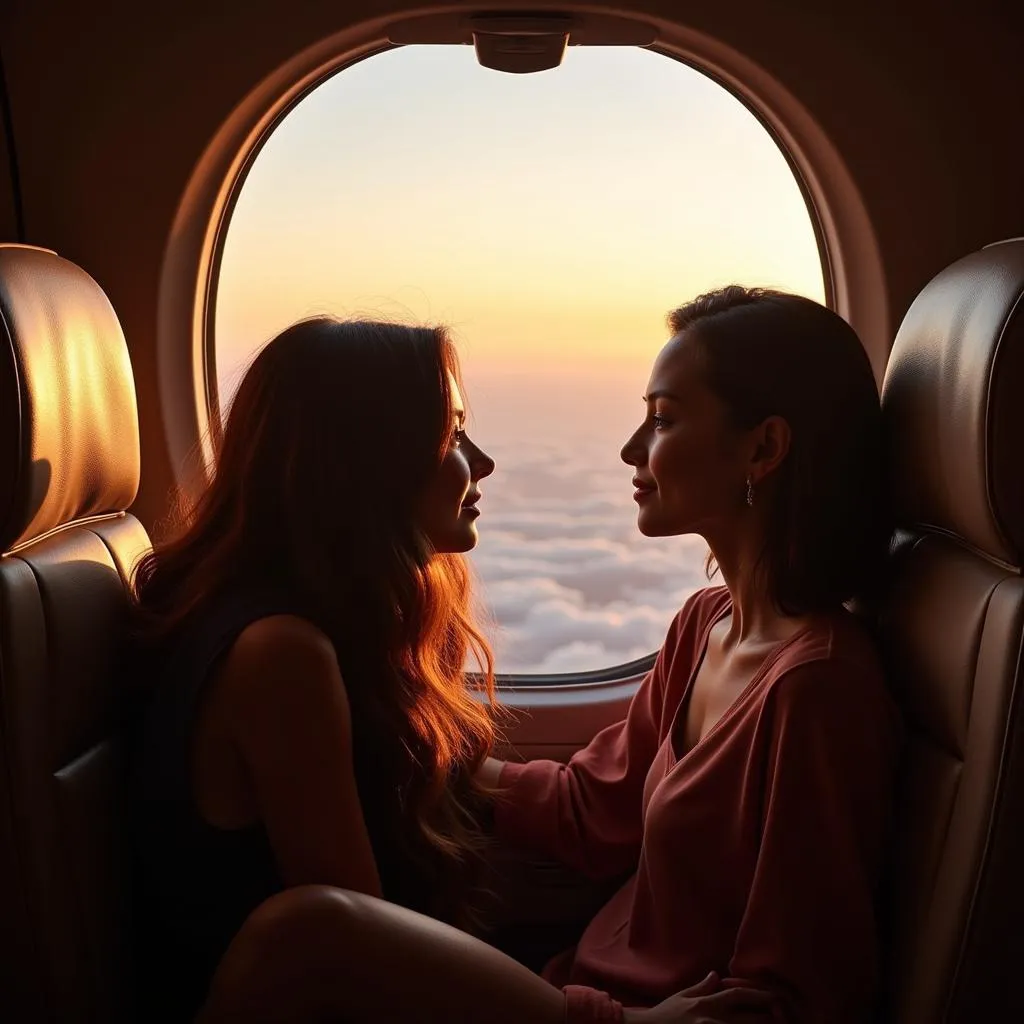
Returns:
<point x="659" y="421"/>
<point x="458" y="436"/>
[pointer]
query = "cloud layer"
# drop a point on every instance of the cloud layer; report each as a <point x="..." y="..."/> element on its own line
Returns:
<point x="569" y="582"/>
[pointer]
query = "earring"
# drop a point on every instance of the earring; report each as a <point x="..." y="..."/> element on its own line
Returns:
<point x="750" y="492"/>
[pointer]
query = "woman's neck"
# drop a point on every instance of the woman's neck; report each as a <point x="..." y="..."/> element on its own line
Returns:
<point x="754" y="616"/>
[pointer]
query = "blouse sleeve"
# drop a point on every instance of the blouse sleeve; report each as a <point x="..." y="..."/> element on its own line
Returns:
<point x="809" y="931"/>
<point x="588" y="813"/>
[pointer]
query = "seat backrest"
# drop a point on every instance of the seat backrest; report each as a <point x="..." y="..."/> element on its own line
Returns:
<point x="953" y="627"/>
<point x="69" y="467"/>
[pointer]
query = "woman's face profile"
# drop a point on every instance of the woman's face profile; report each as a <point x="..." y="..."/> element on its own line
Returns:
<point x="689" y="460"/>
<point x="448" y="509"/>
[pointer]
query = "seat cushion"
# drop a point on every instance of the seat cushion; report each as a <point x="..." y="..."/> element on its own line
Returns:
<point x="953" y="627"/>
<point x="63" y="616"/>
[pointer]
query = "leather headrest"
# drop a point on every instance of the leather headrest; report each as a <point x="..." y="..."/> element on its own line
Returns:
<point x="953" y="398"/>
<point x="69" y="430"/>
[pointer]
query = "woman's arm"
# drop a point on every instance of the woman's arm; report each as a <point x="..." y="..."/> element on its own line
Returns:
<point x="285" y="705"/>
<point x="809" y="931"/>
<point x="587" y="813"/>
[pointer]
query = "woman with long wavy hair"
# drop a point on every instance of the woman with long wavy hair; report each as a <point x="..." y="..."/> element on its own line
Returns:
<point x="302" y="636"/>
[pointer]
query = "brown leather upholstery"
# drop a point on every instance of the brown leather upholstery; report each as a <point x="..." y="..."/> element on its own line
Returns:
<point x="69" y="445"/>
<point x="953" y="626"/>
<point x="69" y="466"/>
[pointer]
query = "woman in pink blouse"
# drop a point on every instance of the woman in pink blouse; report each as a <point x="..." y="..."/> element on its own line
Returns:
<point x="747" y="794"/>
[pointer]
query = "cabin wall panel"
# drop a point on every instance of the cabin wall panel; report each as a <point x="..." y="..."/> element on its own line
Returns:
<point x="113" y="111"/>
<point x="8" y="200"/>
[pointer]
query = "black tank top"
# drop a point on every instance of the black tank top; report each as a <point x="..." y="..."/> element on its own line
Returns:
<point x="196" y="883"/>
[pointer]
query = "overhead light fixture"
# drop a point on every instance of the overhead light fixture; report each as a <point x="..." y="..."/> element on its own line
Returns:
<point x="520" y="45"/>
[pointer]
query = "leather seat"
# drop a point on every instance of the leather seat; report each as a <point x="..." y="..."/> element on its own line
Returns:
<point x="69" y="467"/>
<point x="953" y="628"/>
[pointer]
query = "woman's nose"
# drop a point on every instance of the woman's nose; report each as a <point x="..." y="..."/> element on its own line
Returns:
<point x="481" y="464"/>
<point x="632" y="452"/>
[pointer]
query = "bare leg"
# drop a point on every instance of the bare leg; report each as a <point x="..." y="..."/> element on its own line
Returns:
<point x="316" y="954"/>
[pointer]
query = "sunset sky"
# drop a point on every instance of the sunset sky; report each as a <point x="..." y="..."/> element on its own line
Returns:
<point x="552" y="220"/>
<point x="555" y="215"/>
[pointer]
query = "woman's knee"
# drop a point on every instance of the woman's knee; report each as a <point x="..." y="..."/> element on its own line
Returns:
<point x="276" y="966"/>
<point x="306" y="913"/>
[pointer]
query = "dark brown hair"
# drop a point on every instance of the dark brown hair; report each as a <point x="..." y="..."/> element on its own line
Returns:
<point x="766" y="353"/>
<point x="335" y="431"/>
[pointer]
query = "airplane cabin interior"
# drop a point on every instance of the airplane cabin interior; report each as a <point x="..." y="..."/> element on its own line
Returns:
<point x="128" y="131"/>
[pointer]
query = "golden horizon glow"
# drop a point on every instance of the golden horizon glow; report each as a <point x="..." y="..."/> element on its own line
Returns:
<point x="552" y="220"/>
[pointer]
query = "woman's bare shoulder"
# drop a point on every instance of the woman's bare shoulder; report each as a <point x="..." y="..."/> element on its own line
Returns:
<point x="278" y="661"/>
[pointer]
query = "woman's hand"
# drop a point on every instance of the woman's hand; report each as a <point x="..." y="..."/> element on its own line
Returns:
<point x="707" y="1003"/>
<point x="490" y="772"/>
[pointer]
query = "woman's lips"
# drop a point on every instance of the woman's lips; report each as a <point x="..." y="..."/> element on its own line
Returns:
<point x="643" y="489"/>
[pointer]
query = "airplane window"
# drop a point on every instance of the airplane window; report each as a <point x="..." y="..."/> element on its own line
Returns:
<point x="552" y="220"/>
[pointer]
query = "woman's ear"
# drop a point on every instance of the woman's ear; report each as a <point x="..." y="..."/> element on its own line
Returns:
<point x="771" y="445"/>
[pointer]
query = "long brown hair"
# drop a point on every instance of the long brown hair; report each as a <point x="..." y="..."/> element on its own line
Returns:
<point x="334" y="432"/>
